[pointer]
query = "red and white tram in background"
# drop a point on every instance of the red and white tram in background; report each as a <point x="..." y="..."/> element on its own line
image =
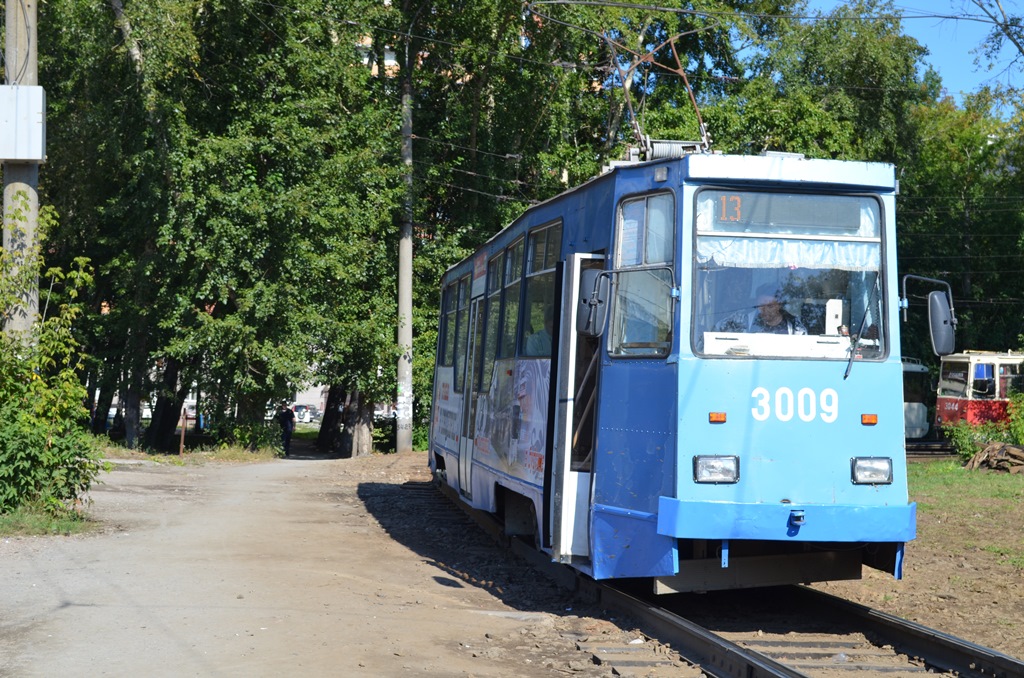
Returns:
<point x="975" y="386"/>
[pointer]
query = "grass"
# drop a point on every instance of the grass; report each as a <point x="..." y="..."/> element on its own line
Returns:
<point x="985" y="510"/>
<point x="34" y="521"/>
<point x="949" y="483"/>
<point x="193" y="457"/>
<point x="306" y="431"/>
<point x="1007" y="556"/>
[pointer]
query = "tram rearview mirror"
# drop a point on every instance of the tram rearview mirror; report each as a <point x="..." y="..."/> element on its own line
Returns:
<point x="940" y="323"/>
<point x="592" y="306"/>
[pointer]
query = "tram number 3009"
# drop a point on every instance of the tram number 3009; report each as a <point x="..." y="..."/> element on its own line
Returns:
<point x="804" y="404"/>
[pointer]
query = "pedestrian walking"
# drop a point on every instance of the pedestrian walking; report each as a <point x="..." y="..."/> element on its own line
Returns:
<point x="286" y="418"/>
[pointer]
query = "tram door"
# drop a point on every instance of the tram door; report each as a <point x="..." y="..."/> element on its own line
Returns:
<point x="471" y="393"/>
<point x="576" y="391"/>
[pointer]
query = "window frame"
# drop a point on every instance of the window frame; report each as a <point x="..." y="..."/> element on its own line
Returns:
<point x="494" y="296"/>
<point x="461" y="331"/>
<point x="447" y="330"/>
<point x="534" y="273"/>
<point x="796" y="235"/>
<point x="511" y="292"/>
<point x="614" y="346"/>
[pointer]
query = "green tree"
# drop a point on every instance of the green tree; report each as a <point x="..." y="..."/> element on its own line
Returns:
<point x="255" y="225"/>
<point x="960" y="217"/>
<point x="839" y="86"/>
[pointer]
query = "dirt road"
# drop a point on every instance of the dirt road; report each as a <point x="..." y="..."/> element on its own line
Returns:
<point x="354" y="567"/>
<point x="304" y="566"/>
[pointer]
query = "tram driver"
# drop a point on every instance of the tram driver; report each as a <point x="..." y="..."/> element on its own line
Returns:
<point x="768" y="316"/>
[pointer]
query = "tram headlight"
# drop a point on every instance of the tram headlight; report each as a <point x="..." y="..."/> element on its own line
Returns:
<point x="871" y="471"/>
<point x="716" y="469"/>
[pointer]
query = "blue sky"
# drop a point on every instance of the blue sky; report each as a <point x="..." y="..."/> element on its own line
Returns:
<point x="950" y="41"/>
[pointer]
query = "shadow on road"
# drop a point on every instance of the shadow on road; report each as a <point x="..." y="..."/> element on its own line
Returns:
<point x="417" y="516"/>
<point x="306" y="450"/>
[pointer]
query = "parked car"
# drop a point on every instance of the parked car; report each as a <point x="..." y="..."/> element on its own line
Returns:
<point x="383" y="413"/>
<point x="303" y="415"/>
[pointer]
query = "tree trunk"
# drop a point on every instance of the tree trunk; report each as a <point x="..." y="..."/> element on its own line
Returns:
<point x="357" y="415"/>
<point x="329" y="438"/>
<point x="132" y="418"/>
<point x="103" y="403"/>
<point x="167" y="412"/>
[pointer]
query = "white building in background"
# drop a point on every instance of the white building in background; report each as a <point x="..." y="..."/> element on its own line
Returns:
<point x="314" y="395"/>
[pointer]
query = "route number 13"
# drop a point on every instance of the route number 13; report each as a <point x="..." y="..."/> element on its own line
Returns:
<point x="804" y="404"/>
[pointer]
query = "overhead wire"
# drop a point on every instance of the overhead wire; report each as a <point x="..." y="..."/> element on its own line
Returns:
<point x="479" y="175"/>
<point x="506" y="156"/>
<point x="496" y="196"/>
<point x="595" y="68"/>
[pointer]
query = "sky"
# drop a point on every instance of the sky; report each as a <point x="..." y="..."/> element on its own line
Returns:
<point x="950" y="41"/>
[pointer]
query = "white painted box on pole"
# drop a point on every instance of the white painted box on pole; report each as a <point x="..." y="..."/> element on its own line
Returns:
<point x="22" y="123"/>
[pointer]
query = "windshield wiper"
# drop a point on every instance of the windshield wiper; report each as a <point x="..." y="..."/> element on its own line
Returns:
<point x="855" y="339"/>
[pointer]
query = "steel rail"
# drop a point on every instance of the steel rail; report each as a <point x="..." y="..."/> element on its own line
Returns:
<point x="715" y="655"/>
<point x="938" y="649"/>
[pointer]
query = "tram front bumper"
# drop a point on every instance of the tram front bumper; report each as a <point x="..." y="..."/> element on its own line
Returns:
<point x="786" y="522"/>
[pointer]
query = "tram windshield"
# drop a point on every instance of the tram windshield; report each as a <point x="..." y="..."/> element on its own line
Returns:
<point x="790" y="275"/>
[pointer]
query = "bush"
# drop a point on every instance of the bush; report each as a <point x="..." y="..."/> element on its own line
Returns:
<point x="1015" y="418"/>
<point x="969" y="439"/>
<point x="46" y="454"/>
<point x="47" y="457"/>
<point x="254" y="436"/>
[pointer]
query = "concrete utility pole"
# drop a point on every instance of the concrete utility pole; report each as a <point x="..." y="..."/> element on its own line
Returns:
<point x="21" y="179"/>
<point x="403" y="442"/>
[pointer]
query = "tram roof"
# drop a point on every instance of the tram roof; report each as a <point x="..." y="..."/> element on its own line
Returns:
<point x="786" y="168"/>
<point x="789" y="168"/>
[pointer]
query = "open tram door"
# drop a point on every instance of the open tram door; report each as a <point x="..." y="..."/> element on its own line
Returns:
<point x="578" y="365"/>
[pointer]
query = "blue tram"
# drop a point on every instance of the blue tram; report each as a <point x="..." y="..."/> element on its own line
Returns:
<point x="686" y="370"/>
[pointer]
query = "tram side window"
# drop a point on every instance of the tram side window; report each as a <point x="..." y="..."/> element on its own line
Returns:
<point x="494" y="272"/>
<point x="544" y="250"/>
<point x="462" y="334"/>
<point x="1011" y="380"/>
<point x="510" y="309"/>
<point x="641" y="323"/>
<point x="984" y="386"/>
<point x="451" y="300"/>
<point x="953" y="379"/>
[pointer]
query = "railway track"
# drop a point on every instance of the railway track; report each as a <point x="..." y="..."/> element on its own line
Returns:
<point x="797" y="631"/>
<point x="929" y="449"/>
<point x="785" y="631"/>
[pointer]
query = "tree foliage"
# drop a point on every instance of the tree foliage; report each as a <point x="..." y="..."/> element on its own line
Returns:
<point x="233" y="170"/>
<point x="960" y="216"/>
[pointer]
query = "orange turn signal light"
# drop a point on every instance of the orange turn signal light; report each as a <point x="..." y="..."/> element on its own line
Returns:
<point x="716" y="417"/>
<point x="869" y="419"/>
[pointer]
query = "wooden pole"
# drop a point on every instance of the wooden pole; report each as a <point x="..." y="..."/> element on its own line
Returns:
<point x="184" y="425"/>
